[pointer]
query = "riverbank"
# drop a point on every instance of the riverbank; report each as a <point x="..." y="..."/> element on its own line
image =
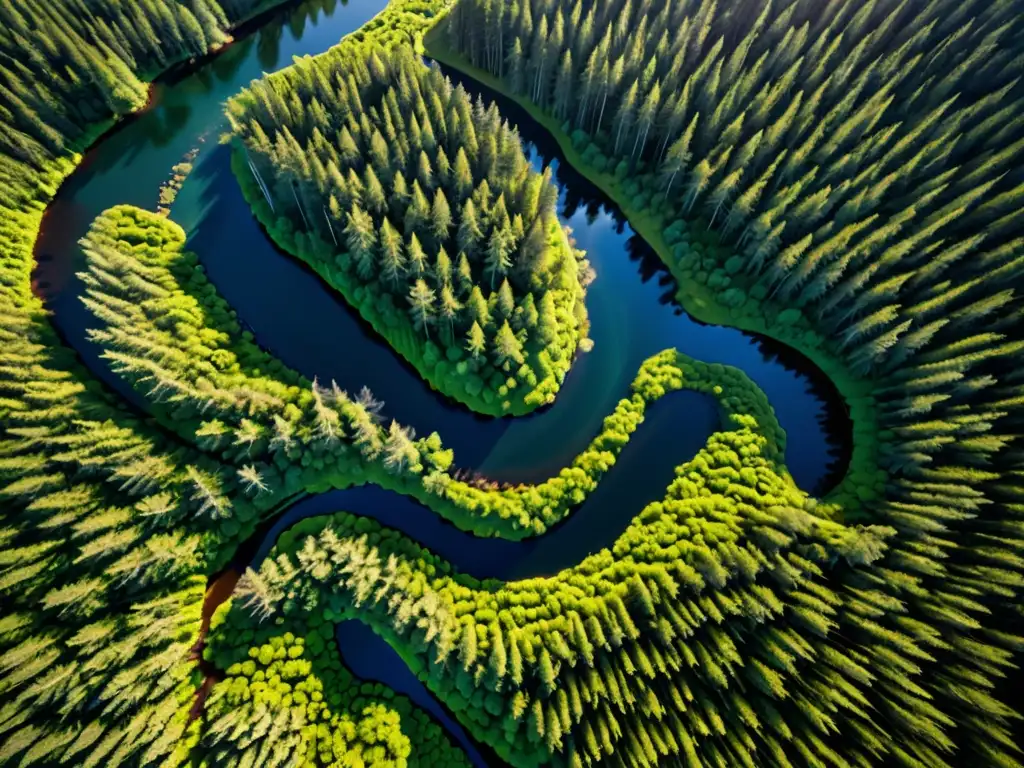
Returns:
<point x="286" y="435"/>
<point x="861" y="482"/>
<point x="450" y="371"/>
<point x="62" y="399"/>
<point x="733" y="603"/>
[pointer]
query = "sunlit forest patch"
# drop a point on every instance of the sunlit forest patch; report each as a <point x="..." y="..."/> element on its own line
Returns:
<point x="844" y="178"/>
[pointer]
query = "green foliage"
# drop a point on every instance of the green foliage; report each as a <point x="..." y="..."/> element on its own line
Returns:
<point x="170" y="334"/>
<point x="90" y="59"/>
<point x="140" y="278"/>
<point x="418" y="172"/>
<point x="714" y="570"/>
<point x="302" y="707"/>
<point x="736" y="621"/>
<point x="844" y="178"/>
<point x="100" y="582"/>
<point x="109" y="529"/>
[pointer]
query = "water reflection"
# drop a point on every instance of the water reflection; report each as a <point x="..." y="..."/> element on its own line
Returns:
<point x="633" y="314"/>
<point x="268" y="45"/>
<point x="806" y="402"/>
<point x="370" y="658"/>
<point x="128" y="165"/>
<point x="631" y="305"/>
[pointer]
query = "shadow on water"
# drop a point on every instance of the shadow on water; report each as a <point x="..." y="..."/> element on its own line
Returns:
<point x="299" y="319"/>
<point x="807" y="403"/>
<point x="135" y="156"/>
<point x="598" y="522"/>
<point x="295" y="316"/>
<point x="371" y="658"/>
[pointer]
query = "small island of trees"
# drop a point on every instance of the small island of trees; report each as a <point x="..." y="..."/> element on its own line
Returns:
<point x="422" y="209"/>
<point x="845" y="175"/>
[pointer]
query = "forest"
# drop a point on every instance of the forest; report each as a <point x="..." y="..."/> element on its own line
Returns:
<point x="845" y="178"/>
<point x="166" y="330"/>
<point x="422" y="209"/>
<point x="859" y="170"/>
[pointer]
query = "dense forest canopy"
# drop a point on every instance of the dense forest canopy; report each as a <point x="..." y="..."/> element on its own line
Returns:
<point x="110" y="529"/>
<point x="849" y="173"/>
<point x="84" y="60"/>
<point x="852" y="161"/>
<point x="858" y="166"/>
<point x="597" y="661"/>
<point x="168" y="332"/>
<point x="422" y="208"/>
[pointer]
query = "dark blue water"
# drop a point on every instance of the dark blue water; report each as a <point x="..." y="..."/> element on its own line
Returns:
<point x="308" y="326"/>
<point x="303" y="322"/>
<point x="370" y="658"/>
<point x="129" y="164"/>
<point x="598" y="522"/>
<point x="296" y="317"/>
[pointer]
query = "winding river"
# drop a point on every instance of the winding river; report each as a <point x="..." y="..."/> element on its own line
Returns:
<point x="304" y="323"/>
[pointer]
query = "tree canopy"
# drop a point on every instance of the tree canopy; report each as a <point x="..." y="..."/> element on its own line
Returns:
<point x="421" y="207"/>
<point x="849" y="172"/>
<point x="847" y="177"/>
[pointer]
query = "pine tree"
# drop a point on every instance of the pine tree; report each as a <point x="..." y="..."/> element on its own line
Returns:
<point x="440" y="216"/>
<point x="373" y="192"/>
<point x="400" y="453"/>
<point x="625" y="116"/>
<point x="462" y="175"/>
<point x="468" y="646"/>
<point x="347" y="147"/>
<point x="400" y="195"/>
<point x="506" y="301"/>
<point x="476" y="341"/>
<point x="498" y="660"/>
<point x="564" y="84"/>
<point x="422" y="299"/>
<point x="464" y="275"/>
<point x="424" y="172"/>
<point x="417" y="215"/>
<point x="498" y="259"/>
<point x="392" y="260"/>
<point x="449" y="307"/>
<point x="546" y="670"/>
<point x="442" y="270"/>
<point x="648" y="111"/>
<point x="477" y="307"/>
<point x="470" y="234"/>
<point x="507" y="348"/>
<point x="361" y="240"/>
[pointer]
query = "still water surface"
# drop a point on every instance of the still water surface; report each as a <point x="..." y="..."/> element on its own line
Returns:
<point x="303" y="322"/>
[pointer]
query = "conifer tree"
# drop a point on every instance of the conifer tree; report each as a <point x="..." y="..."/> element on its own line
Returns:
<point x="476" y="342"/>
<point x="422" y="299"/>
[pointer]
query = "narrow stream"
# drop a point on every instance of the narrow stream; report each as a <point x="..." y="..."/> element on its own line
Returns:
<point x="303" y="322"/>
<point x="598" y="522"/>
<point x="370" y="658"/>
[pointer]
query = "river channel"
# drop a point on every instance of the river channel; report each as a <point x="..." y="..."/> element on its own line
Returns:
<point x="299" y="319"/>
